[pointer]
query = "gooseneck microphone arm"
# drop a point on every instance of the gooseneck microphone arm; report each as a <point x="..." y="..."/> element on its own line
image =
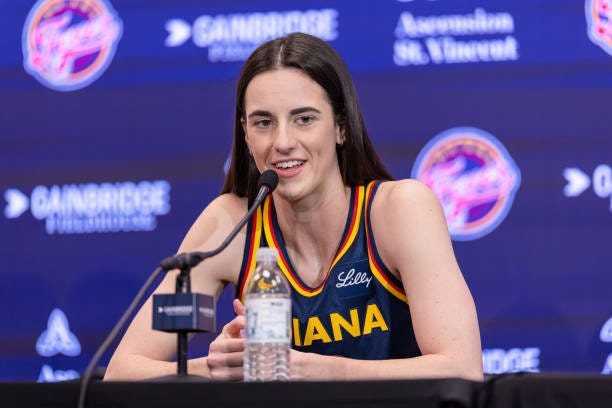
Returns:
<point x="184" y="261"/>
<point x="267" y="183"/>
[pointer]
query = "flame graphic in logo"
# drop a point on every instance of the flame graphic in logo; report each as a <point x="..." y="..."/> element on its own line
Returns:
<point x="68" y="44"/>
<point x="474" y="178"/>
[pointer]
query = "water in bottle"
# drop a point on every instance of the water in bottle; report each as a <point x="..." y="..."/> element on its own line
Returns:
<point x="267" y="304"/>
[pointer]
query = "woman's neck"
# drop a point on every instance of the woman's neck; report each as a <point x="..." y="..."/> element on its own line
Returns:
<point x="312" y="231"/>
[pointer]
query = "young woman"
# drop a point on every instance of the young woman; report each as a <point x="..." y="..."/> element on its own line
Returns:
<point x="376" y="290"/>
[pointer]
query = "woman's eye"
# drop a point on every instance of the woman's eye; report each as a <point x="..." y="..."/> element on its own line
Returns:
<point x="305" y="120"/>
<point x="263" y="123"/>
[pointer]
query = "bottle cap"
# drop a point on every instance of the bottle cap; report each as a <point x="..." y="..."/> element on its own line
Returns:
<point x="266" y="254"/>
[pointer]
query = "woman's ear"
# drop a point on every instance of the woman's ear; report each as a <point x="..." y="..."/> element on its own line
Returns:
<point x="339" y="134"/>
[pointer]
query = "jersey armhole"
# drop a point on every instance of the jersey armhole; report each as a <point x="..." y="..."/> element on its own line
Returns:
<point x="377" y="266"/>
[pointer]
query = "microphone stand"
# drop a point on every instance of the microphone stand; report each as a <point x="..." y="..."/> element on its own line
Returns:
<point x="183" y="261"/>
<point x="167" y="309"/>
<point x="183" y="285"/>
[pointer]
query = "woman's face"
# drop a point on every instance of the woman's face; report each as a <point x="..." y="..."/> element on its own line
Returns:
<point x="290" y="128"/>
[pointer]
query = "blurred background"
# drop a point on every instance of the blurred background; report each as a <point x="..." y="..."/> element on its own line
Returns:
<point x="116" y="123"/>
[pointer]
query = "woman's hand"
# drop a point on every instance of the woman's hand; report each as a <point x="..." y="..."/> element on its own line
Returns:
<point x="317" y="367"/>
<point x="226" y="352"/>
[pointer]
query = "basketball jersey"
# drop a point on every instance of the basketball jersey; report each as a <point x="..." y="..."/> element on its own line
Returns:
<point x="360" y="310"/>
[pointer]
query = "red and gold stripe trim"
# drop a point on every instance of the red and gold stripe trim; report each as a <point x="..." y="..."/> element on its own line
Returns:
<point x="375" y="267"/>
<point x="253" y="246"/>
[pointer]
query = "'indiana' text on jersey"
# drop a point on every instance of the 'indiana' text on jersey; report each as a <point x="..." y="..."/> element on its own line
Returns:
<point x="360" y="310"/>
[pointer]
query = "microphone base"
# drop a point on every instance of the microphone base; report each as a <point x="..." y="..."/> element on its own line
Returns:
<point x="179" y="378"/>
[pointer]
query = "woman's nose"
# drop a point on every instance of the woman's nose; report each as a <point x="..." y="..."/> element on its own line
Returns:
<point x="285" y="139"/>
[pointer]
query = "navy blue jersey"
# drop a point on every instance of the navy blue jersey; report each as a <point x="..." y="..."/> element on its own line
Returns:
<point x="360" y="310"/>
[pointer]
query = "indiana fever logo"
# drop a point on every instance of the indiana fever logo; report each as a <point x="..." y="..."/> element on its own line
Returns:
<point x="473" y="176"/>
<point x="599" y="21"/>
<point x="68" y="44"/>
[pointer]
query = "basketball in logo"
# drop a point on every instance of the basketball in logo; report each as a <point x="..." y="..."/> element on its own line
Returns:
<point x="474" y="178"/>
<point x="599" y="23"/>
<point x="68" y="44"/>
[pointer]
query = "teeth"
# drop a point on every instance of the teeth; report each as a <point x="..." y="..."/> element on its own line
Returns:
<point x="288" y="164"/>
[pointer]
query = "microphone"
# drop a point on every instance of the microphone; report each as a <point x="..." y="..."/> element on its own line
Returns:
<point x="266" y="184"/>
<point x="184" y="261"/>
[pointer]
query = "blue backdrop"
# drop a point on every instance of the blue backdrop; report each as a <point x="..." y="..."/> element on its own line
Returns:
<point x="116" y="125"/>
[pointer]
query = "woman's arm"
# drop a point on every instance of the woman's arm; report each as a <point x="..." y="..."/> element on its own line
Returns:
<point x="413" y="241"/>
<point x="146" y="353"/>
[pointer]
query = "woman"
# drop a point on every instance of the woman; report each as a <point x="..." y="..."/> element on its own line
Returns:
<point x="377" y="292"/>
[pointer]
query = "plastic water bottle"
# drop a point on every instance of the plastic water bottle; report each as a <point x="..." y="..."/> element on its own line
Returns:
<point x="267" y="304"/>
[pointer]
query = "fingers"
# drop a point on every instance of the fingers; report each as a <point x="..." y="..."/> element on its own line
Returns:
<point x="226" y="346"/>
<point x="238" y="307"/>
<point x="226" y="352"/>
<point x="226" y="367"/>
<point x="234" y="328"/>
<point x="225" y="359"/>
<point x="226" y="373"/>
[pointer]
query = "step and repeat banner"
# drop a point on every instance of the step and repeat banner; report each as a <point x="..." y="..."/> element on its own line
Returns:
<point x="116" y="124"/>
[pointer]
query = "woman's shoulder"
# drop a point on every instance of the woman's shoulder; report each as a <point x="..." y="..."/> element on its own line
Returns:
<point x="406" y="200"/>
<point x="405" y="192"/>
<point x="214" y="223"/>
<point x="230" y="203"/>
<point x="208" y="232"/>
<point x="404" y="215"/>
<point x="220" y="215"/>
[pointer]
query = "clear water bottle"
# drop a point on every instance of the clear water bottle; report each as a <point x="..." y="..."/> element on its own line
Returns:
<point x="267" y="304"/>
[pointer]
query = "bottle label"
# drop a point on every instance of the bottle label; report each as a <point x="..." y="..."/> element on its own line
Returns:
<point x="268" y="320"/>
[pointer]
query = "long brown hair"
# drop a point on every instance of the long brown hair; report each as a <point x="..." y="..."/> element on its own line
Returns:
<point x="359" y="162"/>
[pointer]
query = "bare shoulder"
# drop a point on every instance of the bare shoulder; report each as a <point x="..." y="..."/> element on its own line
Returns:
<point x="405" y="215"/>
<point x="230" y="204"/>
<point x="209" y="231"/>
<point x="406" y="194"/>
<point x="219" y="216"/>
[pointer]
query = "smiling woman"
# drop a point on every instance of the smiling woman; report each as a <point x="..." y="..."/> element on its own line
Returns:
<point x="376" y="290"/>
<point x="290" y="127"/>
